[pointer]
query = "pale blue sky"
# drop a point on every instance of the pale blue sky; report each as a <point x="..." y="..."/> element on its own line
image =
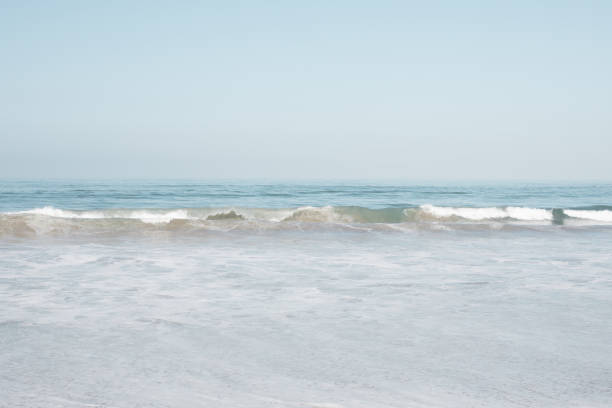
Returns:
<point x="318" y="89"/>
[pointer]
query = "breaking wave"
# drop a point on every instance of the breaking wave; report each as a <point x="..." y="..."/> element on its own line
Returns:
<point x="478" y="214"/>
<point x="593" y="215"/>
<point x="55" y="221"/>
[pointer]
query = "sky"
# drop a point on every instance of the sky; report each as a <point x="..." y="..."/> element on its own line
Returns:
<point x="413" y="90"/>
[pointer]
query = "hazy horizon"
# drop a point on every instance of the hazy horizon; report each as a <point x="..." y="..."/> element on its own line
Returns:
<point x="314" y="181"/>
<point x="431" y="92"/>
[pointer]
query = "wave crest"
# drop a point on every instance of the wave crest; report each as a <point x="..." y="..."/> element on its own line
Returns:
<point x="53" y="221"/>
<point x="593" y="215"/>
<point x="488" y="213"/>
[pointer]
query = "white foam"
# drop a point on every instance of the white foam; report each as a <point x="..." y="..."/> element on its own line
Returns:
<point x="486" y="213"/>
<point x="59" y="213"/>
<point x="158" y="218"/>
<point x="601" y="215"/>
<point x="151" y="217"/>
<point x="529" y="214"/>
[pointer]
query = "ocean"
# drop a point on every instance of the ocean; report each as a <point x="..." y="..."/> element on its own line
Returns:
<point x="187" y="293"/>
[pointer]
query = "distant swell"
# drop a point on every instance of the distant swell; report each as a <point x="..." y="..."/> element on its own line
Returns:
<point x="55" y="221"/>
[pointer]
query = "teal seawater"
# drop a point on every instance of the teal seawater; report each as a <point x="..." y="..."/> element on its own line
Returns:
<point x="87" y="195"/>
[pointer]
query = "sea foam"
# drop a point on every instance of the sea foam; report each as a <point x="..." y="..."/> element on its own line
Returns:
<point x="148" y="216"/>
<point x="487" y="213"/>
<point x="594" y="215"/>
